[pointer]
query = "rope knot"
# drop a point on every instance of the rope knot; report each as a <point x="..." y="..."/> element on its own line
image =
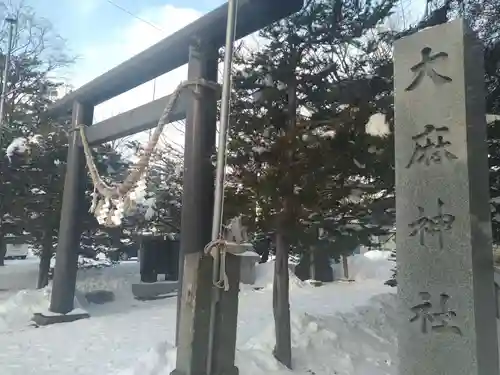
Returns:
<point x="235" y="243"/>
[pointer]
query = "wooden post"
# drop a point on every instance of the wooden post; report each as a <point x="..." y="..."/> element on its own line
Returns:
<point x="63" y="290"/>
<point x="193" y="318"/>
<point x="64" y="284"/>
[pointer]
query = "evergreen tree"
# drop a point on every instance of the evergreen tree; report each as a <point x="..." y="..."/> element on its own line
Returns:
<point x="46" y="169"/>
<point x="299" y="149"/>
<point x="37" y="52"/>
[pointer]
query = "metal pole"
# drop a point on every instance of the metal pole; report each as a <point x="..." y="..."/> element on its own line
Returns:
<point x="221" y="164"/>
<point x="224" y="119"/>
<point x="11" y="22"/>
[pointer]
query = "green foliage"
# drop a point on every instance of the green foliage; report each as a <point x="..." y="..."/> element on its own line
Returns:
<point x="19" y="174"/>
<point x="46" y="169"/>
<point x="37" y="52"/>
<point x="32" y="180"/>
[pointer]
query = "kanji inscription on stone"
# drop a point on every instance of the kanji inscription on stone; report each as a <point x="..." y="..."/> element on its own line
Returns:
<point x="431" y="146"/>
<point x="447" y="310"/>
<point x="440" y="321"/>
<point x="425" y="68"/>
<point x="436" y="224"/>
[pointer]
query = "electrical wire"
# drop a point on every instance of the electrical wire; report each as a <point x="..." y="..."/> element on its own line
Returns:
<point x="118" y="6"/>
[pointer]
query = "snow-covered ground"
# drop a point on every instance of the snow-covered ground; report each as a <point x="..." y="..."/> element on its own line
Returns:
<point x="339" y="328"/>
<point x="19" y="274"/>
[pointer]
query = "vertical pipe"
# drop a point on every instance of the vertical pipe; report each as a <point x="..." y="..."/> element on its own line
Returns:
<point x="180" y="277"/>
<point x="63" y="289"/>
<point x="224" y="118"/>
<point x="221" y="165"/>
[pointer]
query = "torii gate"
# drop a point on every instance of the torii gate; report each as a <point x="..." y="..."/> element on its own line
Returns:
<point x="196" y="44"/>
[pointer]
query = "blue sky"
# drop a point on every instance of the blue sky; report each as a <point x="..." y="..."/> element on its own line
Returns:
<point x="83" y="22"/>
<point x="102" y="36"/>
<point x="93" y="27"/>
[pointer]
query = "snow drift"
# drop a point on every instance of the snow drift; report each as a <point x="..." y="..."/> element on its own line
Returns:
<point x="372" y="265"/>
<point x="326" y="339"/>
<point x="265" y="277"/>
<point x="17" y="309"/>
<point x="337" y="328"/>
<point x="361" y="342"/>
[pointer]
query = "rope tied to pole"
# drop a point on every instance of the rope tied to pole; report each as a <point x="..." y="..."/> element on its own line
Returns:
<point x="235" y="243"/>
<point x="220" y="247"/>
<point x="110" y="203"/>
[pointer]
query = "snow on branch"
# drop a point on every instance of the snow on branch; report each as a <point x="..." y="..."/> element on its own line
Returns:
<point x="377" y="125"/>
<point x="21" y="145"/>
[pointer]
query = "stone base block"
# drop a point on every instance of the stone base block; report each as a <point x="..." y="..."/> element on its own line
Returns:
<point x="232" y="371"/>
<point x="48" y="318"/>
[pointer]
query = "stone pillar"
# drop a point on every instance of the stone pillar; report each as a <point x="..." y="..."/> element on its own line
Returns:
<point x="63" y="289"/>
<point x="226" y="321"/>
<point x="445" y="265"/>
<point x="193" y="318"/>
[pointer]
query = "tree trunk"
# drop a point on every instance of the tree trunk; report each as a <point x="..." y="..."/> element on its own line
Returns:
<point x="265" y="252"/>
<point x="345" y="266"/>
<point x="45" y="257"/>
<point x="3" y="250"/>
<point x="281" y="305"/>
<point x="312" y="264"/>
<point x="281" y="298"/>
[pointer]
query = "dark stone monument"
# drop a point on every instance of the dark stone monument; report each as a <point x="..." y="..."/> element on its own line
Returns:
<point x="159" y="255"/>
<point x="322" y="271"/>
<point x="444" y="253"/>
<point x="248" y="271"/>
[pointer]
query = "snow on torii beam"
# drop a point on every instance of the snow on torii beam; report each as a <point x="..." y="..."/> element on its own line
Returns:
<point x="166" y="55"/>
